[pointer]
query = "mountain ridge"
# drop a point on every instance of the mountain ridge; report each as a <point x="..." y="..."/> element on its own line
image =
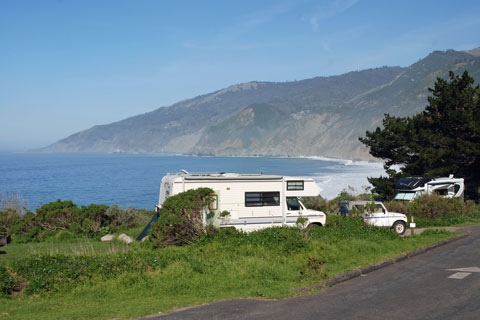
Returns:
<point x="321" y="116"/>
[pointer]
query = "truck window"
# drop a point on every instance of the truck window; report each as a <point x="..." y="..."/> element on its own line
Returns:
<point x="442" y="192"/>
<point x="260" y="199"/>
<point x="293" y="204"/>
<point x="359" y="207"/>
<point x="457" y="188"/>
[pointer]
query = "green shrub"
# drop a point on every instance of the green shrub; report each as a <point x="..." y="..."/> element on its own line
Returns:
<point x="181" y="218"/>
<point x="397" y="206"/>
<point x="104" y="231"/>
<point x="7" y="282"/>
<point x="93" y="217"/>
<point x="64" y="235"/>
<point x="130" y="217"/>
<point x="315" y="203"/>
<point x="59" y="216"/>
<point x="29" y="236"/>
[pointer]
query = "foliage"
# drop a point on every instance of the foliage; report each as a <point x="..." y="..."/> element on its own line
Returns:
<point x="224" y="213"/>
<point x="444" y="139"/>
<point x="58" y="215"/>
<point x="119" y="216"/>
<point x="371" y="207"/>
<point x="315" y="203"/>
<point x="181" y="218"/>
<point x="66" y="219"/>
<point x="7" y="282"/>
<point x="301" y="222"/>
<point x="384" y="187"/>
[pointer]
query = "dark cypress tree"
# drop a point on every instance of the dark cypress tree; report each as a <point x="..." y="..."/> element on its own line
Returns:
<point x="443" y="140"/>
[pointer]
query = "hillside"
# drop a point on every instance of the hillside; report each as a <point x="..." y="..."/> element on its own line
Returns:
<point x="323" y="116"/>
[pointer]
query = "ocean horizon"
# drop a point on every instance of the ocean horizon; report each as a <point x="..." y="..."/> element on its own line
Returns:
<point x="133" y="180"/>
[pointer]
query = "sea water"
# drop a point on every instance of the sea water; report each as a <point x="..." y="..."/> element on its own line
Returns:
<point x="130" y="180"/>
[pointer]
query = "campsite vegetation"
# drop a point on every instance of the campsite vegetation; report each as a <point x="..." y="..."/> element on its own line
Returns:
<point x="77" y="276"/>
<point x="228" y="264"/>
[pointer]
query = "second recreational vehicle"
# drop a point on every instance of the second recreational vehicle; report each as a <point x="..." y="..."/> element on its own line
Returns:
<point x="410" y="189"/>
<point x="254" y="201"/>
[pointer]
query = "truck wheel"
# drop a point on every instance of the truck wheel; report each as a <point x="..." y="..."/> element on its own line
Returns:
<point x="399" y="227"/>
<point x="314" y="225"/>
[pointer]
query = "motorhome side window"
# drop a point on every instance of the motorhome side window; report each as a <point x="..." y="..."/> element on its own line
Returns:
<point x="260" y="199"/>
<point x="295" y="185"/>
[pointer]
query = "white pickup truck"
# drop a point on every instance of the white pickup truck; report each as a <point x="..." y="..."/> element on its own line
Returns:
<point x="375" y="214"/>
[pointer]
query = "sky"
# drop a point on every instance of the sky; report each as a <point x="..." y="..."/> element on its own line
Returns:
<point x="67" y="65"/>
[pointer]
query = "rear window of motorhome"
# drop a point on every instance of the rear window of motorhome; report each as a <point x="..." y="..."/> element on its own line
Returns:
<point x="295" y="185"/>
<point x="260" y="199"/>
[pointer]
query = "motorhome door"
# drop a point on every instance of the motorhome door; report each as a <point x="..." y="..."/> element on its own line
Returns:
<point x="294" y="209"/>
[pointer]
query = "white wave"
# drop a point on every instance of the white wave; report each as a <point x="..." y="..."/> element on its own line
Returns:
<point x="349" y="162"/>
<point x="350" y="178"/>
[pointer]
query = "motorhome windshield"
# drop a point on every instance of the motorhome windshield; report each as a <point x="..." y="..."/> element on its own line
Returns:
<point x="405" y="195"/>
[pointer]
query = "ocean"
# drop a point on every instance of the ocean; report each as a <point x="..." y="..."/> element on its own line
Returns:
<point x="131" y="180"/>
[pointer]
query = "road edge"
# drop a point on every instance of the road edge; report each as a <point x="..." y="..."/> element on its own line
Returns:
<point x="378" y="265"/>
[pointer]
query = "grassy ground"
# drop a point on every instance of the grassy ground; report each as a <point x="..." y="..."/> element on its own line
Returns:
<point x="176" y="277"/>
<point x="81" y="246"/>
<point x="76" y="246"/>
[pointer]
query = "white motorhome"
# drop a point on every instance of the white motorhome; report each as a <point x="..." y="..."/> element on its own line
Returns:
<point x="410" y="189"/>
<point x="254" y="201"/>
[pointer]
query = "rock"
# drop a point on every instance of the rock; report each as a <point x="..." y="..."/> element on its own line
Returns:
<point x="106" y="238"/>
<point x="123" y="237"/>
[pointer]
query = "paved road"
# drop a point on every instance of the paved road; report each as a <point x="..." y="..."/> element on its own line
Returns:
<point x="416" y="288"/>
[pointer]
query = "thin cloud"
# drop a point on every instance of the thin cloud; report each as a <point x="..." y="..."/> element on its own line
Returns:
<point x="260" y="17"/>
<point x="334" y="8"/>
<point x="228" y="37"/>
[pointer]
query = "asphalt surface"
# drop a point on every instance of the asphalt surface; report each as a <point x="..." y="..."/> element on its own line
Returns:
<point x="419" y="287"/>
